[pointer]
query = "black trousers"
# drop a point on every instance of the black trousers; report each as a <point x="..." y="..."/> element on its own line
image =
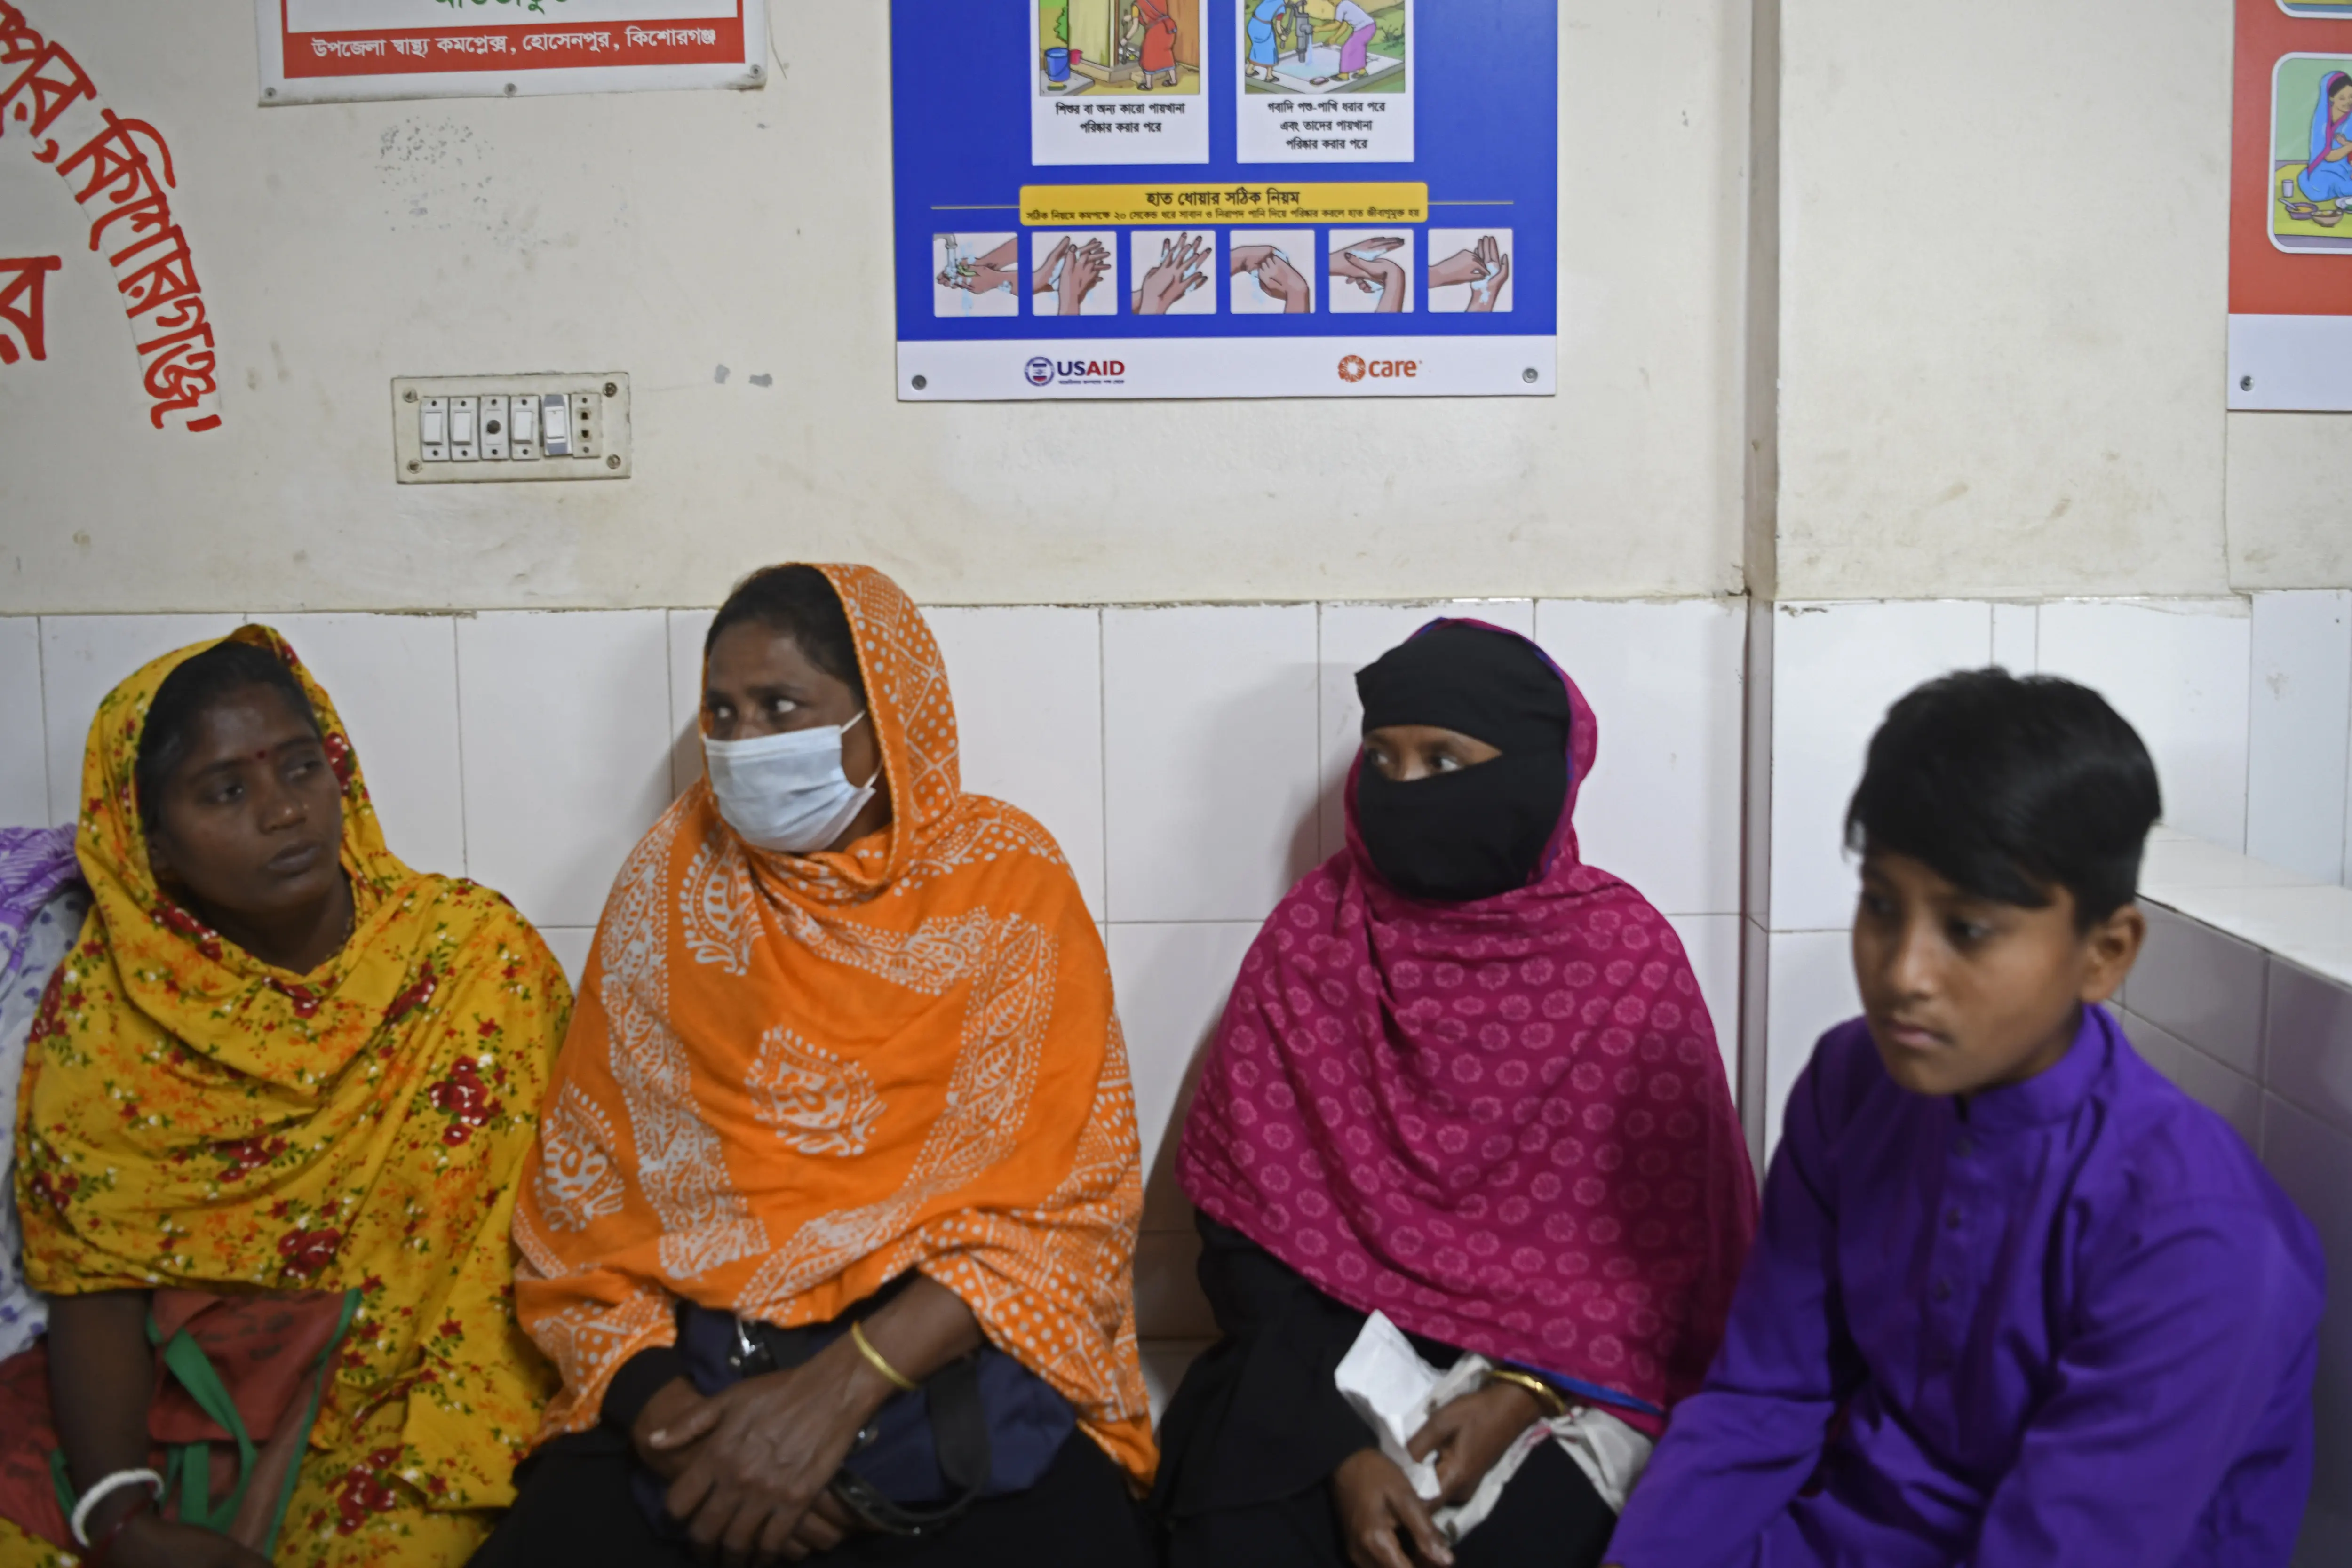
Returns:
<point x="576" y="1508"/>
<point x="1548" y="1517"/>
<point x="1251" y="1439"/>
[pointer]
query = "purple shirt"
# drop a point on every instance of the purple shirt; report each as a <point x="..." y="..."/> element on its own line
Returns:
<point x="2073" y="1322"/>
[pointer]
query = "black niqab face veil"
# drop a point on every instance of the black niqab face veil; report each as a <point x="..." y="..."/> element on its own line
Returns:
<point x="1478" y="831"/>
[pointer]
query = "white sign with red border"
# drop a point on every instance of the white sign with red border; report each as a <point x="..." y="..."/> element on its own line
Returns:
<point x="332" y="51"/>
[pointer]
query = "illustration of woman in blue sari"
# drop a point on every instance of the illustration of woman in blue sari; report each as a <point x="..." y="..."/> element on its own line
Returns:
<point x="2326" y="180"/>
<point x="1263" y="49"/>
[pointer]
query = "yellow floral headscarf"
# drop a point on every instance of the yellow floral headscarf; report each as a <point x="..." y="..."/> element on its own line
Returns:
<point x="195" y="1117"/>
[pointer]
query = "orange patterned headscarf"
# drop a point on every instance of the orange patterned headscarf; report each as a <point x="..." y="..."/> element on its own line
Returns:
<point x="793" y="1079"/>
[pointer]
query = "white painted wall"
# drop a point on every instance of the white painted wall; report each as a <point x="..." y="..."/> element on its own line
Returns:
<point x="1998" y="346"/>
<point x="667" y="233"/>
<point x="2003" y="275"/>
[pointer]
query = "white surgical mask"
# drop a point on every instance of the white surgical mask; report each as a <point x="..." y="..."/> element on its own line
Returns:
<point x="787" y="792"/>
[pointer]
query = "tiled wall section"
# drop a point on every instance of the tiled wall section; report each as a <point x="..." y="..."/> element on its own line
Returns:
<point x="1188" y="760"/>
<point x="2246" y="704"/>
<point x="2268" y="1045"/>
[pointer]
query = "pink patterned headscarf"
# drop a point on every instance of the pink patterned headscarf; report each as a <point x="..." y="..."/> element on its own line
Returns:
<point x="1504" y="1123"/>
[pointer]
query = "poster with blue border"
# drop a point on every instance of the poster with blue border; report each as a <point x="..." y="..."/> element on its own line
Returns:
<point x="1225" y="198"/>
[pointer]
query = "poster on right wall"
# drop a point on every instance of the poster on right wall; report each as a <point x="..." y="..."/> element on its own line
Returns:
<point x="2290" y="207"/>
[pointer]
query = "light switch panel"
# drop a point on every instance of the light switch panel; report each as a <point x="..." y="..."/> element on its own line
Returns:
<point x="483" y="429"/>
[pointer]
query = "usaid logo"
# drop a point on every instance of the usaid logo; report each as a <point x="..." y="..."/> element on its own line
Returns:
<point x="1045" y="371"/>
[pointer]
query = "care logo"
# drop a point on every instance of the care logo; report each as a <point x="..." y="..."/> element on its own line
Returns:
<point x="1040" y="372"/>
<point x="1355" y="368"/>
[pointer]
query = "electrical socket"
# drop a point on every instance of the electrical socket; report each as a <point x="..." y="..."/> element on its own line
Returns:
<point x="582" y="429"/>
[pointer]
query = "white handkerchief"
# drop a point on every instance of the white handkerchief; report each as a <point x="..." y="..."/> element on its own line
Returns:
<point x="1384" y="1380"/>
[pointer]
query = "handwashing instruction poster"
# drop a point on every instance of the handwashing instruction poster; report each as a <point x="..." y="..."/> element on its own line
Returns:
<point x="1225" y="198"/>
<point x="2290" y="207"/>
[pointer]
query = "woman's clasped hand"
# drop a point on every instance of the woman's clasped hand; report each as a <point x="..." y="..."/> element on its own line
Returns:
<point x="1384" y="1521"/>
<point x="749" y="1468"/>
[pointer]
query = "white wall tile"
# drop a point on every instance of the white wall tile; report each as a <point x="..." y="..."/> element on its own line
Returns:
<point x="2314" y="1164"/>
<point x="2299" y="727"/>
<point x="1661" y="807"/>
<point x="395" y="681"/>
<point x="1172" y="981"/>
<point x="1209" y="730"/>
<point x="1027" y="682"/>
<point x="2177" y="864"/>
<point x="23" y="764"/>
<point x="2308" y="1046"/>
<point x="1350" y="637"/>
<point x="83" y="658"/>
<point x="565" y="719"/>
<point x="2016" y="638"/>
<point x="570" y="945"/>
<point x="2204" y="986"/>
<point x="686" y="629"/>
<point x="2237" y="1099"/>
<point x="1712" y="944"/>
<point x="2177" y="668"/>
<point x="1813" y="991"/>
<point x="1837" y="669"/>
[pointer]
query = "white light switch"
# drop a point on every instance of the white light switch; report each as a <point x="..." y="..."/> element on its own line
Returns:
<point x="525" y="436"/>
<point x="525" y="426"/>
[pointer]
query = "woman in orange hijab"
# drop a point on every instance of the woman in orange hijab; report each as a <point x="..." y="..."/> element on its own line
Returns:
<point x="831" y="1227"/>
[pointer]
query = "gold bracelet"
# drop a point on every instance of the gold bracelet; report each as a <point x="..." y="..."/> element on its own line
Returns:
<point x="898" y="1380"/>
<point x="1547" y="1397"/>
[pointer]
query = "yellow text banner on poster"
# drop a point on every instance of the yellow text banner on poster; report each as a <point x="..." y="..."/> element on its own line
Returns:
<point x="1061" y="206"/>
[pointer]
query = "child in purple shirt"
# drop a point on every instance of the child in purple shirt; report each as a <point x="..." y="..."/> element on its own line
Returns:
<point x="2016" y="1300"/>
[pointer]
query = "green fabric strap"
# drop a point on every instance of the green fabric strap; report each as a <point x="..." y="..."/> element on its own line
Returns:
<point x="186" y="1361"/>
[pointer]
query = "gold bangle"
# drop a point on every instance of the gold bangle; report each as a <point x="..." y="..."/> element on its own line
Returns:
<point x="1547" y="1397"/>
<point x="898" y="1380"/>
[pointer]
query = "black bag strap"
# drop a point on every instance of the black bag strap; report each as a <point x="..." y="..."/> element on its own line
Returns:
<point x="960" y="1432"/>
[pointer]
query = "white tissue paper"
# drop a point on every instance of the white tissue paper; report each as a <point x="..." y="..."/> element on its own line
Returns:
<point x="1385" y="1382"/>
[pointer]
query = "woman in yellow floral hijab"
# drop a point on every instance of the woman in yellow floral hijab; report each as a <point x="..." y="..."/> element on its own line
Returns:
<point x="278" y="1063"/>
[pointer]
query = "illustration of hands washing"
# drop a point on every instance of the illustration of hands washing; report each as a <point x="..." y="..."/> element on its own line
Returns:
<point x="1380" y="280"/>
<point x="976" y="274"/>
<point x="1266" y="277"/>
<point x="1067" y="275"/>
<point x="1174" y="282"/>
<point x="1475" y="278"/>
<point x="1371" y="271"/>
